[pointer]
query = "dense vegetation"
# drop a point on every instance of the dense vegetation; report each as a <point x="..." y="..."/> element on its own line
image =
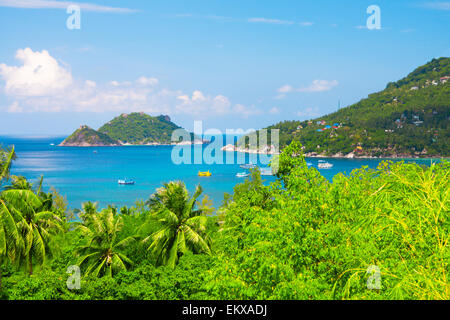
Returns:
<point x="410" y="118"/>
<point x="86" y="136"/>
<point x="140" y="128"/>
<point x="302" y="237"/>
<point x="133" y="128"/>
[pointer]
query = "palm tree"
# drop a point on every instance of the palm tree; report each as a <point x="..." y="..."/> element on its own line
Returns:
<point x="104" y="251"/>
<point x="9" y="236"/>
<point x="89" y="209"/>
<point x="6" y="159"/>
<point x="34" y="224"/>
<point x="181" y="226"/>
<point x="10" y="239"/>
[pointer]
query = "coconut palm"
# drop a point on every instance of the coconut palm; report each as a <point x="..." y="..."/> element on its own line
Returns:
<point x="10" y="239"/>
<point x="89" y="209"/>
<point x="9" y="236"/>
<point x="181" y="226"/>
<point x="6" y="159"/>
<point x="34" y="224"/>
<point x="103" y="253"/>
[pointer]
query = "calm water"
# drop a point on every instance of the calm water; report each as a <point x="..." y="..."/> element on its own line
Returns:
<point x="82" y="175"/>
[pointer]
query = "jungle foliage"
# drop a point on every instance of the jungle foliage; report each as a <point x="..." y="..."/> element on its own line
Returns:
<point x="301" y="237"/>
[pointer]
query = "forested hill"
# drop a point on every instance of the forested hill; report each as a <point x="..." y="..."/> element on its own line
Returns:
<point x="140" y="128"/>
<point x="88" y="137"/>
<point x="408" y="118"/>
<point x="127" y="129"/>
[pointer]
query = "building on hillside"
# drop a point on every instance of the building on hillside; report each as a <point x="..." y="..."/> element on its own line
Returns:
<point x="358" y="149"/>
<point x="444" y="79"/>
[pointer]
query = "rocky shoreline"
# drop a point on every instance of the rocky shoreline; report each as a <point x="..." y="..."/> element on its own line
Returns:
<point x="121" y="144"/>
<point x="352" y="155"/>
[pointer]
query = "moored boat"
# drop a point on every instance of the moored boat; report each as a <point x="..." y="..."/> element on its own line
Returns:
<point x="204" y="174"/>
<point x="324" y="165"/>
<point x="242" y="174"/>
<point x="125" y="181"/>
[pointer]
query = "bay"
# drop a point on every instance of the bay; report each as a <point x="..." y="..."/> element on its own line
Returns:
<point x="91" y="174"/>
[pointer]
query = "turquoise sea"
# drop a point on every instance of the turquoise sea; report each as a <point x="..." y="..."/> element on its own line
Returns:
<point x="91" y="174"/>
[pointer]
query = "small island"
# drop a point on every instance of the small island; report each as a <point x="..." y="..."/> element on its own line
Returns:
<point x="129" y="130"/>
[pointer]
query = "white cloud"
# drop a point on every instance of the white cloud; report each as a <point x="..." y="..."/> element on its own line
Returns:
<point x="15" y="108"/>
<point x="41" y="84"/>
<point x="199" y="104"/>
<point x="39" y="74"/>
<point x="90" y="83"/>
<point x="285" y="89"/>
<point x="271" y="21"/>
<point x="306" y="24"/>
<point x="244" y="111"/>
<point x="308" y="112"/>
<point x="315" y="86"/>
<point x="319" y="86"/>
<point x="274" y="110"/>
<point x="51" y="4"/>
<point x="147" y="81"/>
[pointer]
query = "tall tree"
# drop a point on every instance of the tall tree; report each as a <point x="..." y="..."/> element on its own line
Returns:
<point x="181" y="226"/>
<point x="34" y="224"/>
<point x="104" y="251"/>
<point x="9" y="236"/>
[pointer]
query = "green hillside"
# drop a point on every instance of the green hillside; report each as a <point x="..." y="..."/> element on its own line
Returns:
<point x="86" y="136"/>
<point x="408" y="118"/>
<point x="140" y="128"/>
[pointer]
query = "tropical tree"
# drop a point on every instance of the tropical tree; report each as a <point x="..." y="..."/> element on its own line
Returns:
<point x="34" y="224"/>
<point x="181" y="226"/>
<point x="10" y="240"/>
<point x="6" y="159"/>
<point x="9" y="237"/>
<point x="104" y="251"/>
<point x="88" y="210"/>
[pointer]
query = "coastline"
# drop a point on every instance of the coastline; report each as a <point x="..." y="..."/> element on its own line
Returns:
<point x="86" y="145"/>
<point x="351" y="155"/>
<point x="265" y="151"/>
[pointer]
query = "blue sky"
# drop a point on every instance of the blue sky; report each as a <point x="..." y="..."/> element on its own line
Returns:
<point x="232" y="64"/>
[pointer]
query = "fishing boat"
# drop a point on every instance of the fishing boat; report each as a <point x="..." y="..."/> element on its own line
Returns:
<point x="204" y="174"/>
<point x="242" y="174"/>
<point x="125" y="181"/>
<point x="324" y="165"/>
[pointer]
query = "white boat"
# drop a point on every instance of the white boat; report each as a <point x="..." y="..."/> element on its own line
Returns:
<point x="309" y="164"/>
<point x="324" y="165"/>
<point x="125" y="181"/>
<point x="242" y="174"/>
